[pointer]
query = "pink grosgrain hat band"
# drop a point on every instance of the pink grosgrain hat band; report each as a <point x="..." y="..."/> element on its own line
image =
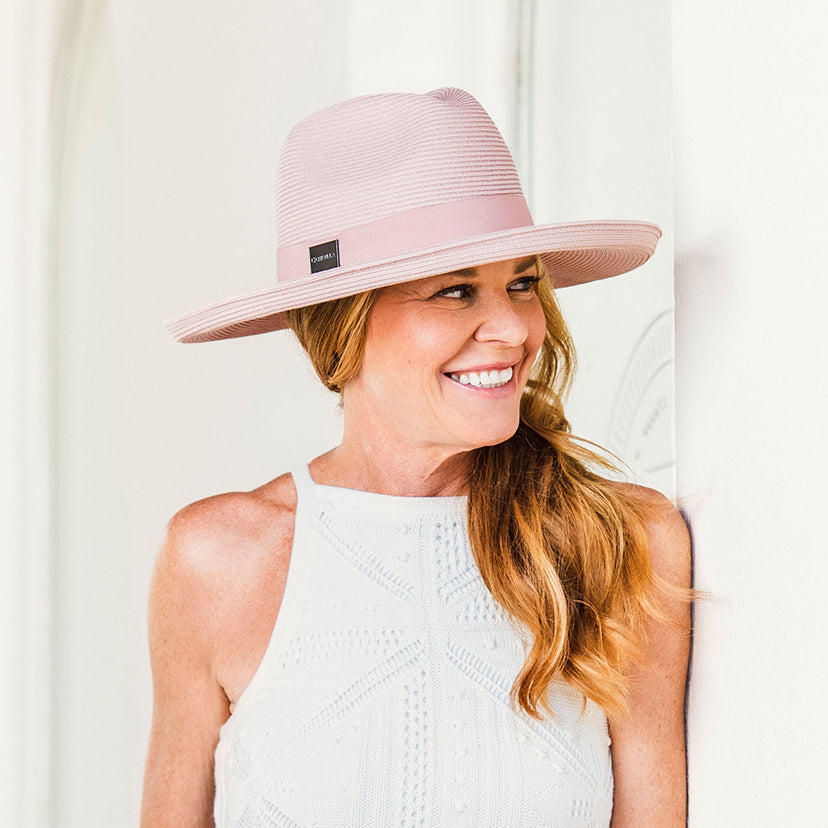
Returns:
<point x="389" y="188"/>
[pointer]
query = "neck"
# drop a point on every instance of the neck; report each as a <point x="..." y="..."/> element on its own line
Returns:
<point x="373" y="460"/>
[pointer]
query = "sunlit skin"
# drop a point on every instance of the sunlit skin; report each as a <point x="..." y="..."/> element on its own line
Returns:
<point x="408" y="424"/>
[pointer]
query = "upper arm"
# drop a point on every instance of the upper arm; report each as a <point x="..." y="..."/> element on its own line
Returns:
<point x="648" y="743"/>
<point x="189" y="705"/>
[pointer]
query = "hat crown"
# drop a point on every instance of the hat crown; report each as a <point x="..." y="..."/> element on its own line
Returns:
<point x="377" y="156"/>
<point x="384" y="189"/>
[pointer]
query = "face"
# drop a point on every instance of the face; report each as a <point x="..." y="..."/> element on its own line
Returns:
<point x="446" y="358"/>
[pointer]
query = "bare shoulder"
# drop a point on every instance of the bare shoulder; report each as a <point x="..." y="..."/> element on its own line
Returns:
<point x="215" y="535"/>
<point x="669" y="537"/>
<point x="218" y="548"/>
<point x="209" y="611"/>
<point x="208" y="523"/>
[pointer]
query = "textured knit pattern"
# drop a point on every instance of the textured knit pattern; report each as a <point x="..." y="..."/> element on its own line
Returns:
<point x="383" y="697"/>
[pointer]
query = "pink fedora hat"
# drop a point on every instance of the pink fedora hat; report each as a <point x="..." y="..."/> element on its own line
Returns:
<point x="388" y="188"/>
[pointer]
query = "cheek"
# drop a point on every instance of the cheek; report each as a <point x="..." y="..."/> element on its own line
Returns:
<point x="430" y="343"/>
<point x="421" y="344"/>
<point x="536" y="328"/>
<point x="403" y="349"/>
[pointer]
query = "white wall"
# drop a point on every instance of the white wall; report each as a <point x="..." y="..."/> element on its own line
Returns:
<point x="28" y="47"/>
<point x="11" y="48"/>
<point x="415" y="47"/>
<point x="752" y="401"/>
<point x="600" y="148"/>
<point x="95" y="677"/>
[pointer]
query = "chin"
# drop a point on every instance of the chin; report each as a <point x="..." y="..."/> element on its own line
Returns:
<point x="493" y="436"/>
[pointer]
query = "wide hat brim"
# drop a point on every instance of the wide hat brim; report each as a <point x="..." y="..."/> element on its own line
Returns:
<point x="572" y="253"/>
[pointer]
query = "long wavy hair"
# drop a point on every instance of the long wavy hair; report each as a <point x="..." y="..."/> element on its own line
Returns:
<point x="562" y="549"/>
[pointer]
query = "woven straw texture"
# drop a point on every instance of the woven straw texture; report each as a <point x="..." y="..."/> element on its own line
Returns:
<point x="410" y="186"/>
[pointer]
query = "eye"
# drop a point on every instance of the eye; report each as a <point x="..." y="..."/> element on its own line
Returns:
<point x="455" y="292"/>
<point x="525" y="284"/>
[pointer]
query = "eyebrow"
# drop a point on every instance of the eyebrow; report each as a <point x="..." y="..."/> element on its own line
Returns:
<point x="520" y="267"/>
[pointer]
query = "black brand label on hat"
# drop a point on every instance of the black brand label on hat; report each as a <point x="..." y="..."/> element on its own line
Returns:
<point x="324" y="256"/>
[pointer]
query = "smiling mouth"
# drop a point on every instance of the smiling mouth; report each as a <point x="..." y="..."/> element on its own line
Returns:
<point x="483" y="379"/>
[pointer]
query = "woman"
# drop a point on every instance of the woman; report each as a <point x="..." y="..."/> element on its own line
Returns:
<point x="450" y="618"/>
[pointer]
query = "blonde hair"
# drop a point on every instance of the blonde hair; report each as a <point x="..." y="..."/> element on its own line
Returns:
<point x="561" y="549"/>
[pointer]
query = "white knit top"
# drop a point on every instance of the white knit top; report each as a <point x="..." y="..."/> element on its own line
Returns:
<point x="383" y="696"/>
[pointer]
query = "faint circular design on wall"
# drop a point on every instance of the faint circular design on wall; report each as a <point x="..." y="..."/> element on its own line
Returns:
<point x="641" y="423"/>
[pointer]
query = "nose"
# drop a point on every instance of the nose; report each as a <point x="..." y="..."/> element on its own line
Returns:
<point x="502" y="320"/>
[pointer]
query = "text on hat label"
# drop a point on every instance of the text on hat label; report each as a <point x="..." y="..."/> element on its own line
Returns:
<point x="324" y="256"/>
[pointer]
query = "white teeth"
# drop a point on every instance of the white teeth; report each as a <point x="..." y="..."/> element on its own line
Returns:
<point x="484" y="379"/>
